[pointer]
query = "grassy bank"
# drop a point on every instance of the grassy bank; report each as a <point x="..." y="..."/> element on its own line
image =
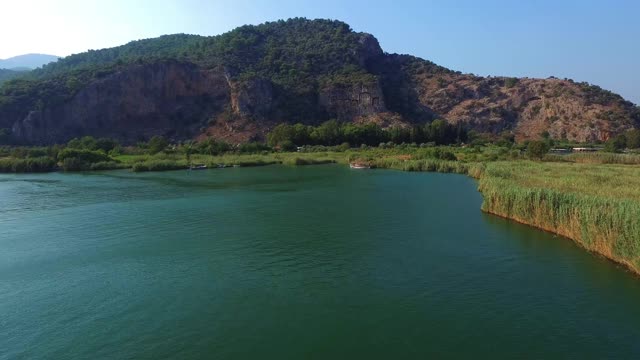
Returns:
<point x="597" y="206"/>
<point x="592" y="199"/>
<point x="163" y="162"/>
<point x="596" y="158"/>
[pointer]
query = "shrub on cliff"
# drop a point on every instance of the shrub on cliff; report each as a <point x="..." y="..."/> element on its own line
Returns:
<point x="511" y="82"/>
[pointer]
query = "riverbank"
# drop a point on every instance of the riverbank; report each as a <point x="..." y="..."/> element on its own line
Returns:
<point x="597" y="206"/>
<point x="593" y="199"/>
<point x="594" y="203"/>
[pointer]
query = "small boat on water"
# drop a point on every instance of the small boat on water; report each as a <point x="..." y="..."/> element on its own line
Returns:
<point x="359" y="166"/>
<point x="198" y="167"/>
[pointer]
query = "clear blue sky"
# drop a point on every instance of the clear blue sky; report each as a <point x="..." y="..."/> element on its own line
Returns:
<point x="595" y="41"/>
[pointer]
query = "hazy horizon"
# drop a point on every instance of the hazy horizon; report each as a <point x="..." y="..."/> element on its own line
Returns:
<point x="583" y="40"/>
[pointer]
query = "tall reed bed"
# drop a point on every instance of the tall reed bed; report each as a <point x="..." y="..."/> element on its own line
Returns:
<point x="428" y="165"/>
<point x="28" y="165"/>
<point x="605" y="158"/>
<point x="606" y="222"/>
<point x="159" y="165"/>
<point x="292" y="158"/>
<point x="596" y="158"/>
<point x="299" y="161"/>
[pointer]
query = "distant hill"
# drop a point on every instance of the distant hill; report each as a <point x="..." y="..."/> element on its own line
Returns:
<point x="27" y="62"/>
<point x="6" y="74"/>
<point x="238" y="85"/>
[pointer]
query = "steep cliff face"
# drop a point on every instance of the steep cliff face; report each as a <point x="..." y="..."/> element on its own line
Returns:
<point x="349" y="102"/>
<point x="369" y="50"/>
<point x="253" y="97"/>
<point x="171" y="99"/>
<point x="180" y="101"/>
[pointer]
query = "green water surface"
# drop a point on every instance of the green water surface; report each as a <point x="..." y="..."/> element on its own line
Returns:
<point x="294" y="263"/>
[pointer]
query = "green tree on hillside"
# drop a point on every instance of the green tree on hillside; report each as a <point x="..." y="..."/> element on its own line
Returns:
<point x="511" y="82"/>
<point x="302" y="134"/>
<point x="329" y="133"/>
<point x="211" y="146"/>
<point x="280" y="134"/>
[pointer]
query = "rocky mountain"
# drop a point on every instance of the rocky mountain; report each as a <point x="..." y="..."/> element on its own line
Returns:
<point x="27" y="61"/>
<point x="238" y="85"/>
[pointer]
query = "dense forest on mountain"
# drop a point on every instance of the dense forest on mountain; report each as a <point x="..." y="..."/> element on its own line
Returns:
<point x="304" y="63"/>
<point x="6" y="75"/>
<point x="289" y="55"/>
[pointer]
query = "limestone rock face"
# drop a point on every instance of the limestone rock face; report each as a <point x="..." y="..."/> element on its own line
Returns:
<point x="370" y="50"/>
<point x="347" y="102"/>
<point x="252" y="98"/>
<point x="529" y="108"/>
<point x="171" y="99"/>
